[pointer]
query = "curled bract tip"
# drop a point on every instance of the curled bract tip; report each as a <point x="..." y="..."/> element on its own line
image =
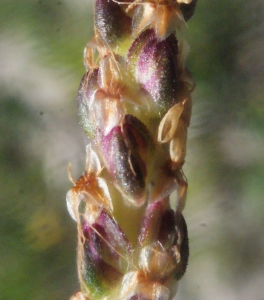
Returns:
<point x="169" y="123"/>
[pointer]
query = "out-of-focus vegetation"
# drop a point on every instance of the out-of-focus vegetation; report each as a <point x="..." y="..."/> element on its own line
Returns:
<point x="41" y="45"/>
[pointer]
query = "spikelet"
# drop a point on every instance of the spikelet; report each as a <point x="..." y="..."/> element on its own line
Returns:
<point x="134" y="104"/>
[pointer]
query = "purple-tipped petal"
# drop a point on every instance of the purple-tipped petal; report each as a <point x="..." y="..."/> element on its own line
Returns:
<point x="158" y="225"/>
<point x="106" y="255"/>
<point x="156" y="67"/>
<point x="126" y="166"/>
<point x="116" y="238"/>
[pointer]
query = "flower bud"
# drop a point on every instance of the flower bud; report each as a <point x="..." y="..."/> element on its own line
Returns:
<point x="164" y="242"/>
<point x="155" y="67"/>
<point x="106" y="254"/>
<point x="112" y="23"/>
<point x="158" y="225"/>
<point x="125" y="165"/>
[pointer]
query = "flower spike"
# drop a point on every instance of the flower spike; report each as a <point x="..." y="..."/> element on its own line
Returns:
<point x="134" y="104"/>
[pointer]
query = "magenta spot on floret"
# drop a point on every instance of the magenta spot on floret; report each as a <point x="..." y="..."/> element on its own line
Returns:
<point x="108" y="146"/>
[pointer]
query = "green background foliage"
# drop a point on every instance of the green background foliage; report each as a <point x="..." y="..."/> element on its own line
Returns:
<point x="41" y="44"/>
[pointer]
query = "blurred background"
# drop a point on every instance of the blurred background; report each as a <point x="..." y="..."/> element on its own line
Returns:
<point x="41" y="46"/>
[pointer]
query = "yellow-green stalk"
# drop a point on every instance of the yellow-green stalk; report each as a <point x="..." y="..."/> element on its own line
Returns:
<point x="134" y="104"/>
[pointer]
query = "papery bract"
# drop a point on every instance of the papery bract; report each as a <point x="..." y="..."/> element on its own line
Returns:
<point x="89" y="188"/>
<point x="164" y="18"/>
